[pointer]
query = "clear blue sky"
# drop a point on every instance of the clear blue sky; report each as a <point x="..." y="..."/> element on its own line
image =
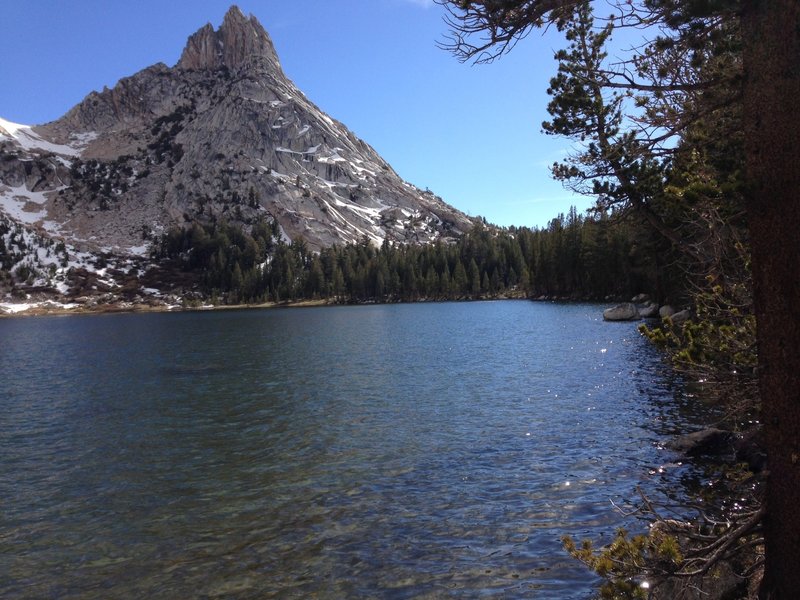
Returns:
<point x="472" y="134"/>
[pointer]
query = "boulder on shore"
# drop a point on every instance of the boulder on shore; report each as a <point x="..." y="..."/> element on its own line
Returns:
<point x="679" y="318"/>
<point x="749" y="448"/>
<point x="626" y="311"/>
<point x="666" y="311"/>
<point x="649" y="310"/>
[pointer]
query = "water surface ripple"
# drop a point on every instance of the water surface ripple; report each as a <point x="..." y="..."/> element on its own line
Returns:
<point x="405" y="451"/>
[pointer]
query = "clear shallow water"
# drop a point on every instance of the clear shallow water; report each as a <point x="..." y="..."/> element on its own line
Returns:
<point x="402" y="451"/>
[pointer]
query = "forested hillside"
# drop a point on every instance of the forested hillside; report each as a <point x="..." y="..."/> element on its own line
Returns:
<point x="576" y="257"/>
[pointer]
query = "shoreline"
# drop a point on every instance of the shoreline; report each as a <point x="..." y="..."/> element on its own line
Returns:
<point x="43" y="310"/>
<point x="52" y="308"/>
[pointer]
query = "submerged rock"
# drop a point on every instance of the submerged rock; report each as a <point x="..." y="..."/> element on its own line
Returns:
<point x="722" y="583"/>
<point x="707" y="442"/>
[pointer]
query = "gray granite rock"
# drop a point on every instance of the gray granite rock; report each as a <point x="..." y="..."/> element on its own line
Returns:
<point x="626" y="311"/>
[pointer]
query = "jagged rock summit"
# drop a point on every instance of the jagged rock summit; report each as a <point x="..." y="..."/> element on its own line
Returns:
<point x="238" y="40"/>
<point x="222" y="135"/>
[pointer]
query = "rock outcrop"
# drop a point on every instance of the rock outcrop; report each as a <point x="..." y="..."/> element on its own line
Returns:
<point x="642" y="307"/>
<point x="238" y="41"/>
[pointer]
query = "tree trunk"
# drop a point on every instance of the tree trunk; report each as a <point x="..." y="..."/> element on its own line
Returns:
<point x="771" y="34"/>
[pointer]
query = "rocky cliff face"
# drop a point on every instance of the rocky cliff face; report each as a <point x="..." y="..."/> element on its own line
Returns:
<point x="221" y="135"/>
<point x="238" y="40"/>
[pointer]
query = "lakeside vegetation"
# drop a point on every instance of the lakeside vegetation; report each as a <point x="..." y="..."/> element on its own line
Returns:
<point x="692" y="130"/>
<point x="595" y="257"/>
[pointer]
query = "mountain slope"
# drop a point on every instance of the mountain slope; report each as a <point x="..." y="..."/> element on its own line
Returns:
<point x="221" y="135"/>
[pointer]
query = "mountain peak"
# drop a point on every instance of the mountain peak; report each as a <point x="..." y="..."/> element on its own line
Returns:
<point x="234" y="14"/>
<point x="239" y="41"/>
<point x="173" y="147"/>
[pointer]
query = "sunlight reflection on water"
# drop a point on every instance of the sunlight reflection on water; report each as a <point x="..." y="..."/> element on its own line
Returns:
<point x="383" y="451"/>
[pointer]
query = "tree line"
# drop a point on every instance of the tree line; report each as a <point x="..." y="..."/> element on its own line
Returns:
<point x="587" y="257"/>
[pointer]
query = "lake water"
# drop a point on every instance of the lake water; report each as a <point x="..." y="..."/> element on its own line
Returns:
<point x="400" y="451"/>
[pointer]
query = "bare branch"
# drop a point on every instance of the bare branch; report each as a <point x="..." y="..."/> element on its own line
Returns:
<point x="497" y="25"/>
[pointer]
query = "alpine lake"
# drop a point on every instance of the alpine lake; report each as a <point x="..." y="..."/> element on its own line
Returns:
<point x="433" y="450"/>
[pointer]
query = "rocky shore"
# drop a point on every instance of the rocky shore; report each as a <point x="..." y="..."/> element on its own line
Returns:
<point x="53" y="307"/>
<point x="642" y="307"/>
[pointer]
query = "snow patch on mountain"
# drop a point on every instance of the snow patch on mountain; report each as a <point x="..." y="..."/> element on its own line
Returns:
<point x="32" y="141"/>
<point x="23" y="205"/>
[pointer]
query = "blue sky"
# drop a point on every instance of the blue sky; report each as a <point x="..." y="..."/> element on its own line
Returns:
<point x="471" y="134"/>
